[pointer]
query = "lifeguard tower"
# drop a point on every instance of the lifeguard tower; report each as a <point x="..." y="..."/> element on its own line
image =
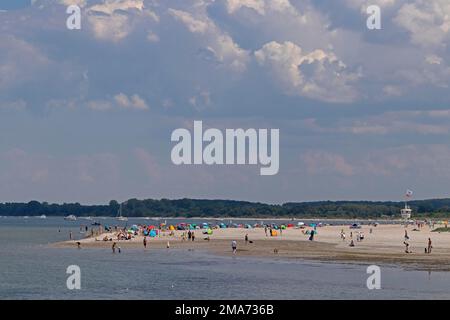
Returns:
<point x="406" y="212"/>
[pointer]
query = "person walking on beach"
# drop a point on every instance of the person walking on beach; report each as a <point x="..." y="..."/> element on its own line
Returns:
<point x="234" y="246"/>
<point x="429" y="245"/>
<point x="114" y="245"/>
<point x="406" y="235"/>
<point x="246" y="238"/>
<point x="193" y="236"/>
<point x="145" y="242"/>
<point x="406" y="246"/>
<point x="265" y="230"/>
<point x="189" y="235"/>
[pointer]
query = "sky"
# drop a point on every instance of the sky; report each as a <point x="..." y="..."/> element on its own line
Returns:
<point x="87" y="115"/>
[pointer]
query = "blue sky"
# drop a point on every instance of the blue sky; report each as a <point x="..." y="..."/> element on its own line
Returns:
<point x="86" y="115"/>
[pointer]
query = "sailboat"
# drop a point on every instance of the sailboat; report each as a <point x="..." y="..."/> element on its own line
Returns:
<point x="70" y="217"/>
<point x="120" y="217"/>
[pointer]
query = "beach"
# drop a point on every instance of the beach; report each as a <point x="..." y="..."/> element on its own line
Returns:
<point x="384" y="245"/>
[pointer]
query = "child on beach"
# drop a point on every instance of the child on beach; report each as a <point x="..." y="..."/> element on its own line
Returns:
<point x="234" y="246"/>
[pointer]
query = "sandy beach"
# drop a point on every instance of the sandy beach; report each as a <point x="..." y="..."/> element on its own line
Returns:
<point x="384" y="245"/>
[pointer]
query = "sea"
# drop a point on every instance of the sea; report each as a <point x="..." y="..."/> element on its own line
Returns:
<point x="30" y="268"/>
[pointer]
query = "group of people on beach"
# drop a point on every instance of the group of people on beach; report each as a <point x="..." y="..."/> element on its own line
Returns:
<point x="427" y="249"/>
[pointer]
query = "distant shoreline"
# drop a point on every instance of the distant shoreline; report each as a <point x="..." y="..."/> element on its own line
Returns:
<point x="382" y="220"/>
<point x="223" y="209"/>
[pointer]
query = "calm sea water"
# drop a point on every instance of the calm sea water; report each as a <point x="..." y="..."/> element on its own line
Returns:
<point x="30" y="269"/>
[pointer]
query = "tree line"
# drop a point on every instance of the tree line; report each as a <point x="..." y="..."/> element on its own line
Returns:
<point x="230" y="208"/>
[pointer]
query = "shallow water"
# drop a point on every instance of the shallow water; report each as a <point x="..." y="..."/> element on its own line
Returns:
<point x="30" y="269"/>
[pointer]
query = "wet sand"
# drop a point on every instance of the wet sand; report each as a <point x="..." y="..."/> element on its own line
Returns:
<point x="384" y="245"/>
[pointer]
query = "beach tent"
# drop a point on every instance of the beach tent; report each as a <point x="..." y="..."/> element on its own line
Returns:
<point x="134" y="227"/>
<point x="247" y="226"/>
<point x="283" y="227"/>
<point x="152" y="233"/>
<point x="208" y="231"/>
<point x="274" y="233"/>
<point x="171" y="227"/>
<point x="290" y="225"/>
<point x="222" y="225"/>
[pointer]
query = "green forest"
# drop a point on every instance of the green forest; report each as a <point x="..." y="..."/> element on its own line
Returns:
<point x="432" y="208"/>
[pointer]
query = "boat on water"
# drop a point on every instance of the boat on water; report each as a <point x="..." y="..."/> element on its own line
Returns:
<point x="42" y="216"/>
<point x="119" y="216"/>
<point x="70" y="217"/>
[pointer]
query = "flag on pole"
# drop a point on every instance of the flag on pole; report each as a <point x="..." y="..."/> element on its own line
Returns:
<point x="409" y="193"/>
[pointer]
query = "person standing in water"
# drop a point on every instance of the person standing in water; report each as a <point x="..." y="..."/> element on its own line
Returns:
<point x="114" y="247"/>
<point x="234" y="246"/>
<point x="145" y="242"/>
<point x="70" y="235"/>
